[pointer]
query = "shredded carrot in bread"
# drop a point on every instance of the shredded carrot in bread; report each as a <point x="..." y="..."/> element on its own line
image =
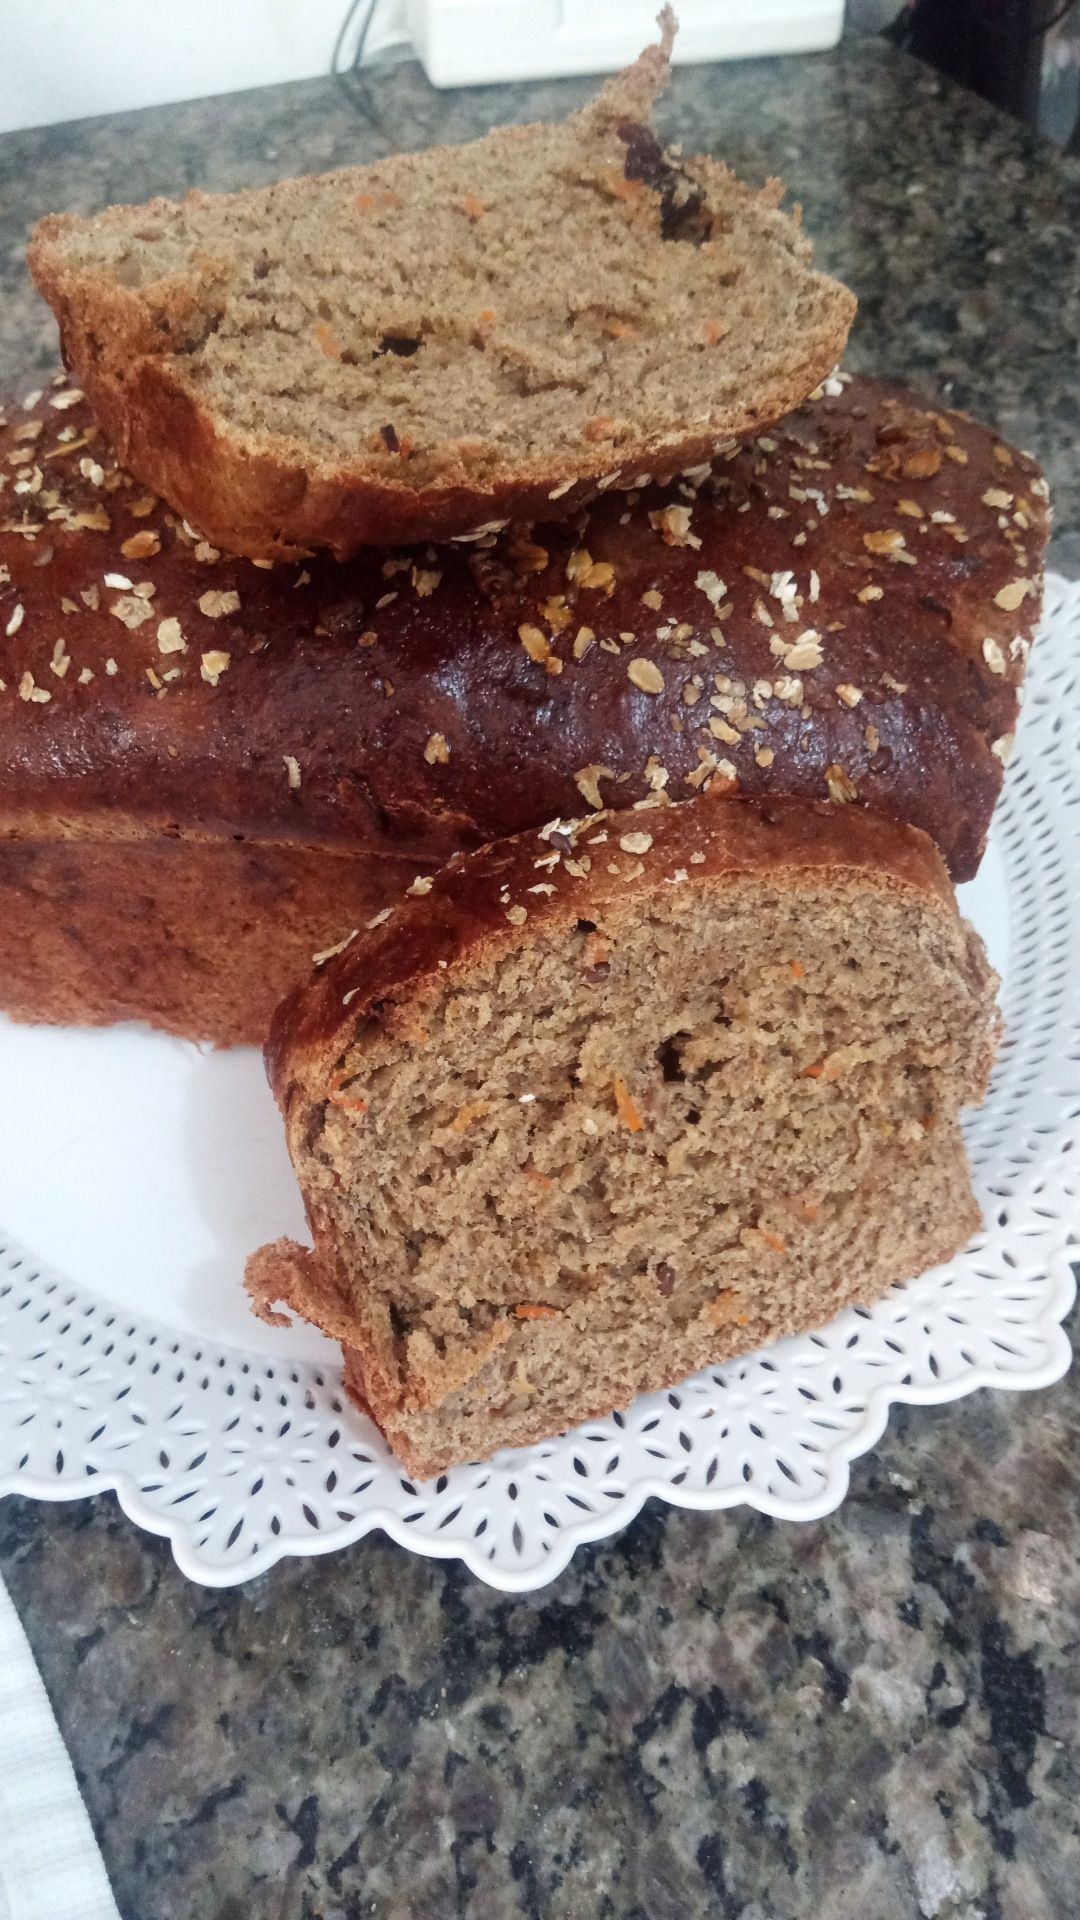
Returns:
<point x="332" y="347"/>
<point x="625" y="1107"/>
<point x="529" y="1312"/>
<point x="773" y="1240"/>
<point x="465" y="1116"/>
<point x="472" y="205"/>
<point x="379" y="202"/>
<point x="798" y="971"/>
<point x="351" y="1102"/>
<point x="632" y="191"/>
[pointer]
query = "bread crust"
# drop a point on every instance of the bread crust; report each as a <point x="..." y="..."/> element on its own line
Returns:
<point x="471" y="905"/>
<point x="391" y="705"/>
<point x="200" y="938"/>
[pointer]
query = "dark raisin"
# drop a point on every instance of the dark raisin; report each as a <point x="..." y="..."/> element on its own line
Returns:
<point x="683" y="213"/>
<point x="389" y="434"/>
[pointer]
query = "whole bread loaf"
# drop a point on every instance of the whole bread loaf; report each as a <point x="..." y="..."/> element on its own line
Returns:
<point x="599" y="1106"/>
<point x="210" y="770"/>
<point x="405" y="350"/>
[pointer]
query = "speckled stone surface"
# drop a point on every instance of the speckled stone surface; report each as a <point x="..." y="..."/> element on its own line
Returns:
<point x="874" y="1717"/>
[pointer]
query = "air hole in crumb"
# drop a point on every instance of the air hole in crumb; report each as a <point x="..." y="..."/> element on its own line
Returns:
<point x="401" y="344"/>
<point x="669" y="1056"/>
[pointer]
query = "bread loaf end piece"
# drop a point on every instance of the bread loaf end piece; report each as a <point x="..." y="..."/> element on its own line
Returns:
<point x="609" y="1104"/>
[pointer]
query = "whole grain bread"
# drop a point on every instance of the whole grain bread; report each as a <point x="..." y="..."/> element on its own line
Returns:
<point x="600" y="1106"/>
<point x="211" y="770"/>
<point x="407" y="350"/>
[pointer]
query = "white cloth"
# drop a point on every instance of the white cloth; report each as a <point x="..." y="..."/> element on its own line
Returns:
<point x="50" y="1867"/>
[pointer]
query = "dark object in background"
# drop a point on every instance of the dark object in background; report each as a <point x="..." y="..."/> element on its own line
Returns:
<point x="1024" y="55"/>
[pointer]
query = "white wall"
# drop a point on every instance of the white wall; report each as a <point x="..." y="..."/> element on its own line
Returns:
<point x="63" y="59"/>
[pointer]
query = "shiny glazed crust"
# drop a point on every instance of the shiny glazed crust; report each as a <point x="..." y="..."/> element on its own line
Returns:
<point x="436" y="698"/>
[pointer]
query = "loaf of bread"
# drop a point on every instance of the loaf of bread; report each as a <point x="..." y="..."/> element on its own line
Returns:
<point x="211" y="770"/>
<point x="405" y="350"/>
<point x="599" y="1106"/>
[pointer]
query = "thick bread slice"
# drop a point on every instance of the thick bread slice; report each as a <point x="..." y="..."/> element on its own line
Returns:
<point x="410" y="349"/>
<point x="613" y="1102"/>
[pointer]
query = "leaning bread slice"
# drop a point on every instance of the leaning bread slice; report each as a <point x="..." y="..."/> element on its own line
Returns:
<point x="601" y="1106"/>
<point x="411" y="349"/>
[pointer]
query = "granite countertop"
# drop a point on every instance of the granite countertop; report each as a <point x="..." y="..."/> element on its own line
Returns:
<point x="871" y="1717"/>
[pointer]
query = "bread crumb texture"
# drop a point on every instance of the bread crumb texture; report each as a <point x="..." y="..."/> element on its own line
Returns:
<point x="665" y="1085"/>
<point x="395" y="350"/>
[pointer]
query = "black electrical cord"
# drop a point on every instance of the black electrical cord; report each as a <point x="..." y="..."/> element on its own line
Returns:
<point x="358" y="81"/>
<point x="338" y="71"/>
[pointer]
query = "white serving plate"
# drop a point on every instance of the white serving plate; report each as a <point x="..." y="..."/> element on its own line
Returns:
<point x="136" y="1173"/>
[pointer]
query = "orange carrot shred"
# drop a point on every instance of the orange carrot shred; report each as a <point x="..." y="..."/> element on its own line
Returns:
<point x="351" y="1102"/>
<point x="773" y="1240"/>
<point x="797" y="970"/>
<point x="625" y="1107"/>
<point x="325" y="339"/>
<point x="529" y="1312"/>
<point x="815" y="1072"/>
<point x="377" y="202"/>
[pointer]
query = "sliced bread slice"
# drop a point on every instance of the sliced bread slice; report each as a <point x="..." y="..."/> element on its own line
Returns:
<point x="602" y="1106"/>
<point x="411" y="349"/>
